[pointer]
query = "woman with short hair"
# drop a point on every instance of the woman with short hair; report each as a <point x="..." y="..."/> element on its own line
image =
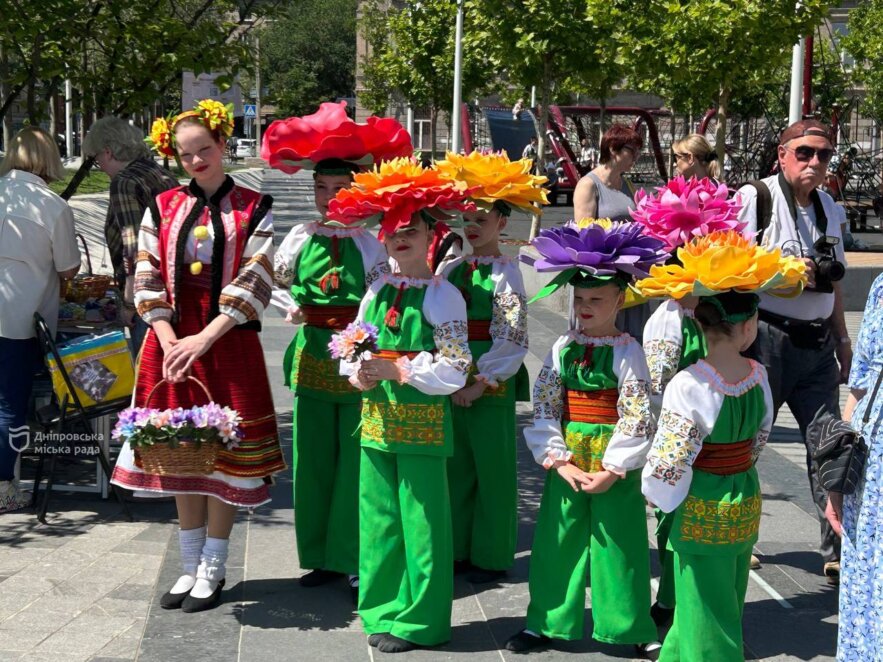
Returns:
<point x="37" y="248"/>
<point x="605" y="192"/>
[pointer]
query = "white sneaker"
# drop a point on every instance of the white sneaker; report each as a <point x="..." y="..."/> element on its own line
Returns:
<point x="11" y="497"/>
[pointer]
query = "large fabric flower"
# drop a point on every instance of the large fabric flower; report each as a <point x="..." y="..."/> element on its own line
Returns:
<point x="684" y="209"/>
<point x="160" y="137"/>
<point x="599" y="248"/>
<point x="393" y="191"/>
<point x="216" y="115"/>
<point x="329" y="133"/>
<point x="724" y="261"/>
<point x="493" y="178"/>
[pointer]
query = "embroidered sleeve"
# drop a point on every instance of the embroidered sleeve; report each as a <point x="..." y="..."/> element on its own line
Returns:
<point x="628" y="446"/>
<point x="374" y="257"/>
<point x="544" y="436"/>
<point x="444" y="371"/>
<point x="284" y="268"/>
<point x="151" y="295"/>
<point x="247" y="295"/>
<point x="687" y="408"/>
<point x="766" y="425"/>
<point x="508" y="328"/>
<point x="662" y="347"/>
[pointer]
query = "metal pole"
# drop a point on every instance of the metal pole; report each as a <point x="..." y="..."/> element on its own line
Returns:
<point x="409" y="122"/>
<point x="69" y="118"/>
<point x="458" y="71"/>
<point x="257" y="109"/>
<point x="533" y="96"/>
<point x="796" y="104"/>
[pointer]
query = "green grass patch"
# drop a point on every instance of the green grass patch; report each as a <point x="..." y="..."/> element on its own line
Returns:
<point x="95" y="182"/>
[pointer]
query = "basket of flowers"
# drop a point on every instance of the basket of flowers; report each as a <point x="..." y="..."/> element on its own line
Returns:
<point x="178" y="441"/>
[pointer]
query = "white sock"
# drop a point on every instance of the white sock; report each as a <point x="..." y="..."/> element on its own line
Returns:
<point x="354" y="581"/>
<point x="212" y="567"/>
<point x="190" y="542"/>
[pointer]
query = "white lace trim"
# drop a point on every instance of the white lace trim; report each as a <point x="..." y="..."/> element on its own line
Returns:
<point x="613" y="341"/>
<point x="398" y="279"/>
<point x="317" y="227"/>
<point x="716" y="380"/>
<point x="489" y="259"/>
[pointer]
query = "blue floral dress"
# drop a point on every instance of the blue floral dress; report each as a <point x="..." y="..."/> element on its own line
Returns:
<point x="861" y="591"/>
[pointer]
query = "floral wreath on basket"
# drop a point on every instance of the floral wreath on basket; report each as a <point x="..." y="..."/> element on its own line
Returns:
<point x="328" y="141"/>
<point x="214" y="115"/>
<point x="595" y="252"/>
<point x="726" y="262"/>
<point x="394" y="191"/>
<point x="496" y="182"/>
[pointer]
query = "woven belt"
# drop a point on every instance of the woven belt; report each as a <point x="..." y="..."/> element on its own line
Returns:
<point x="392" y="354"/>
<point x="725" y="459"/>
<point x="329" y="317"/>
<point x="591" y="406"/>
<point x="479" y="329"/>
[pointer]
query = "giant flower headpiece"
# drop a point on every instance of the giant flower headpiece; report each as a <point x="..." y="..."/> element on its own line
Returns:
<point x="595" y="252"/>
<point x="214" y="115"/>
<point x="684" y="209"/>
<point x="722" y="262"/>
<point x="495" y="181"/>
<point x="330" y="135"/>
<point x="393" y="191"/>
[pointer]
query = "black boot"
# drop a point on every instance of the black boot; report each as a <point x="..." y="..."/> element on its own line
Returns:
<point x="318" y="577"/>
<point x="524" y="641"/>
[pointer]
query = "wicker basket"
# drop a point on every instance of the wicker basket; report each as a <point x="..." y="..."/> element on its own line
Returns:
<point x="186" y="459"/>
<point x="82" y="288"/>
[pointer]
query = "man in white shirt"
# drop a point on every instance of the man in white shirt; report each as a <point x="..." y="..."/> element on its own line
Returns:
<point x="803" y="342"/>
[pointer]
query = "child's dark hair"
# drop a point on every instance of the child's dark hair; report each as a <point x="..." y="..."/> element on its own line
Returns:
<point x="712" y="312"/>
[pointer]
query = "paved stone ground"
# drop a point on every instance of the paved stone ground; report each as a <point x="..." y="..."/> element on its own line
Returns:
<point x="87" y="585"/>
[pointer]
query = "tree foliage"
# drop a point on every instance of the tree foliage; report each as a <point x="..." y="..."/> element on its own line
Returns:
<point x="865" y="43"/>
<point x="309" y="55"/>
<point x="412" y="56"/>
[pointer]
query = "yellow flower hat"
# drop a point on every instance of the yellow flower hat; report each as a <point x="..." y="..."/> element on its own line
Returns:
<point x="493" y="179"/>
<point x="724" y="261"/>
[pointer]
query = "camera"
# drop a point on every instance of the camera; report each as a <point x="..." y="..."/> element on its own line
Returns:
<point x="829" y="269"/>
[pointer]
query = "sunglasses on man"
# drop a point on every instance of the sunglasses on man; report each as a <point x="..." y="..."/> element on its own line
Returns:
<point x="804" y="153"/>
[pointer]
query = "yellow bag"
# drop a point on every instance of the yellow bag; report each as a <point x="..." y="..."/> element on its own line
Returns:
<point x="99" y="366"/>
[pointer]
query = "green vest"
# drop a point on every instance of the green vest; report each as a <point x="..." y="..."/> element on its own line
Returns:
<point x="398" y="418"/>
<point x="474" y="281"/>
<point x="309" y="368"/>
<point x="721" y="514"/>
<point x="587" y="441"/>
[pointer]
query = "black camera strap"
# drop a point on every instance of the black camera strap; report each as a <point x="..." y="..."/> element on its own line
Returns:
<point x="815" y="198"/>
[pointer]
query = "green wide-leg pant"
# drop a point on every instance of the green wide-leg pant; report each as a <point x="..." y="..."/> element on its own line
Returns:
<point x="483" y="486"/>
<point x="406" y="574"/>
<point x="710" y="592"/>
<point x="666" y="593"/>
<point x="326" y="483"/>
<point x="611" y="528"/>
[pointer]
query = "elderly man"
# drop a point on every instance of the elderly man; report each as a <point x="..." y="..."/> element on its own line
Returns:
<point x="803" y="342"/>
<point x="135" y="180"/>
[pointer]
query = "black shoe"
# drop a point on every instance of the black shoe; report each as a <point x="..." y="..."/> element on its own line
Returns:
<point x="462" y="567"/>
<point x="318" y="577"/>
<point x="483" y="576"/>
<point x="391" y="644"/>
<point x="192" y="605"/>
<point x="662" y="616"/>
<point x="524" y="642"/>
<point x="354" y="596"/>
<point x="376" y="638"/>
<point x="175" y="600"/>
<point x="649" y="651"/>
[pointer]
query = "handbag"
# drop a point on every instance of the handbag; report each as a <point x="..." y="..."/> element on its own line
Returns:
<point x="839" y="450"/>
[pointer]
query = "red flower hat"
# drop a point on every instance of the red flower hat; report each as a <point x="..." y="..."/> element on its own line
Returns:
<point x="329" y="133"/>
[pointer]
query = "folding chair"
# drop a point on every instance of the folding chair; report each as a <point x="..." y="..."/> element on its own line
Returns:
<point x="71" y="412"/>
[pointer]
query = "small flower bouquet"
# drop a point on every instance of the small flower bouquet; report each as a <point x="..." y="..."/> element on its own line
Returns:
<point x="178" y="441"/>
<point x="353" y="342"/>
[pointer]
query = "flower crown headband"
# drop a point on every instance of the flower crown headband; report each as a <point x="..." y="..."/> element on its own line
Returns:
<point x="214" y="115"/>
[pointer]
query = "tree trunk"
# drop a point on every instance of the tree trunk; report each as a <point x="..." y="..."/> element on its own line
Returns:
<point x="601" y="120"/>
<point x="433" y="118"/>
<point x="720" y="134"/>
<point x="8" y="95"/>
<point x="541" y="137"/>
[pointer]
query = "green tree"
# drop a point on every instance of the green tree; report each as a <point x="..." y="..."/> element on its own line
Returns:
<point x="865" y="43"/>
<point x="711" y="51"/>
<point x="556" y="45"/>
<point x="412" y="56"/>
<point x="309" y="55"/>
